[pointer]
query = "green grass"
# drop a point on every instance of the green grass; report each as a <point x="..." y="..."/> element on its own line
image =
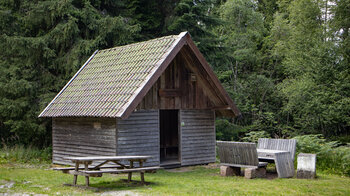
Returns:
<point x="197" y="181"/>
<point x="21" y="154"/>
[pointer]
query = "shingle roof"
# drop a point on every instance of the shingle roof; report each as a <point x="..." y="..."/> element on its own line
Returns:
<point x="110" y="81"/>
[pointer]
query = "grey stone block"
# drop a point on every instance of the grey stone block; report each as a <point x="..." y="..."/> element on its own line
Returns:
<point x="230" y="171"/>
<point x="251" y="173"/>
<point x="306" y="166"/>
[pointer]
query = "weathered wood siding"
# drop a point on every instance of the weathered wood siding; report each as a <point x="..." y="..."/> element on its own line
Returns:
<point x="82" y="137"/>
<point x="139" y="135"/>
<point x="186" y="85"/>
<point x="197" y="137"/>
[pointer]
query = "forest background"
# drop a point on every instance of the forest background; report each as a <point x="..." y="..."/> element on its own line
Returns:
<point x="286" y="63"/>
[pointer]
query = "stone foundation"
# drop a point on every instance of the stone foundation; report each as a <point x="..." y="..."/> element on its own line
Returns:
<point x="230" y="171"/>
<point x="251" y="173"/>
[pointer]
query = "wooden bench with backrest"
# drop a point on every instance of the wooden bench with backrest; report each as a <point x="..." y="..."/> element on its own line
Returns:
<point x="239" y="155"/>
<point x="279" y="151"/>
<point x="288" y="145"/>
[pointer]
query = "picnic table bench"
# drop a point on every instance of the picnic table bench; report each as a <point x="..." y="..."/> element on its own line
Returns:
<point x="88" y="170"/>
<point x="241" y="154"/>
<point x="279" y="151"/>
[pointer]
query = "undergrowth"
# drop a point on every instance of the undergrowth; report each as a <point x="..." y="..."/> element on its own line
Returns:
<point x="330" y="156"/>
<point x="21" y="154"/>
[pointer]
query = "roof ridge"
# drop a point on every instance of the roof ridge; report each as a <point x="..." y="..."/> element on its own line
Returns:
<point x="141" y="42"/>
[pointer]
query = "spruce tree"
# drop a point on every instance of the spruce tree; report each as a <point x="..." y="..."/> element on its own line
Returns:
<point x="42" y="44"/>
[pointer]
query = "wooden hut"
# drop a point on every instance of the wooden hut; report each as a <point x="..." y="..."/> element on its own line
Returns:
<point x="157" y="97"/>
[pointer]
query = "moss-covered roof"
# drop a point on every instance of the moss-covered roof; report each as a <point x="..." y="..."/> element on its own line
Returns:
<point x="110" y="79"/>
<point x="113" y="81"/>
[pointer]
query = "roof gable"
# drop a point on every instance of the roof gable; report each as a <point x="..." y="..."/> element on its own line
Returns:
<point x="113" y="81"/>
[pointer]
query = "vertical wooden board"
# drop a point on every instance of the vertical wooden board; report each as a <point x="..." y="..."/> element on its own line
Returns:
<point x="177" y="80"/>
<point x="191" y="94"/>
<point x="138" y="107"/>
<point x="166" y="86"/>
<point x="143" y="103"/>
<point x="194" y="94"/>
<point x="209" y="103"/>
<point x="149" y="99"/>
<point x="184" y="86"/>
<point x="200" y="98"/>
<point x="155" y="96"/>
<point x="145" y="100"/>
<point x="168" y="78"/>
<point x="158" y="98"/>
<point x="162" y="86"/>
<point x="171" y="75"/>
<point x="172" y="84"/>
<point x="205" y="101"/>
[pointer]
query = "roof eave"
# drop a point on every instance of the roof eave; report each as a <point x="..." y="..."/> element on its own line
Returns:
<point x="42" y="114"/>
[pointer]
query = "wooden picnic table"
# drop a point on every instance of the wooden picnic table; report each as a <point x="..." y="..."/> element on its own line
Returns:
<point x="89" y="170"/>
<point x="282" y="159"/>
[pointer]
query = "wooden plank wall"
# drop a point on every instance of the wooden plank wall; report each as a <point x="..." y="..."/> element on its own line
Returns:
<point x="82" y="137"/>
<point x="177" y="77"/>
<point x="139" y="135"/>
<point x="197" y="137"/>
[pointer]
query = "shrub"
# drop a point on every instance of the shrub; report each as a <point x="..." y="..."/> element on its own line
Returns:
<point x="227" y="131"/>
<point x="330" y="156"/>
<point x="254" y="136"/>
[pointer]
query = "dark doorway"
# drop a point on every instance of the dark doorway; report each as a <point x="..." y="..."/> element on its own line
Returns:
<point x="169" y="137"/>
